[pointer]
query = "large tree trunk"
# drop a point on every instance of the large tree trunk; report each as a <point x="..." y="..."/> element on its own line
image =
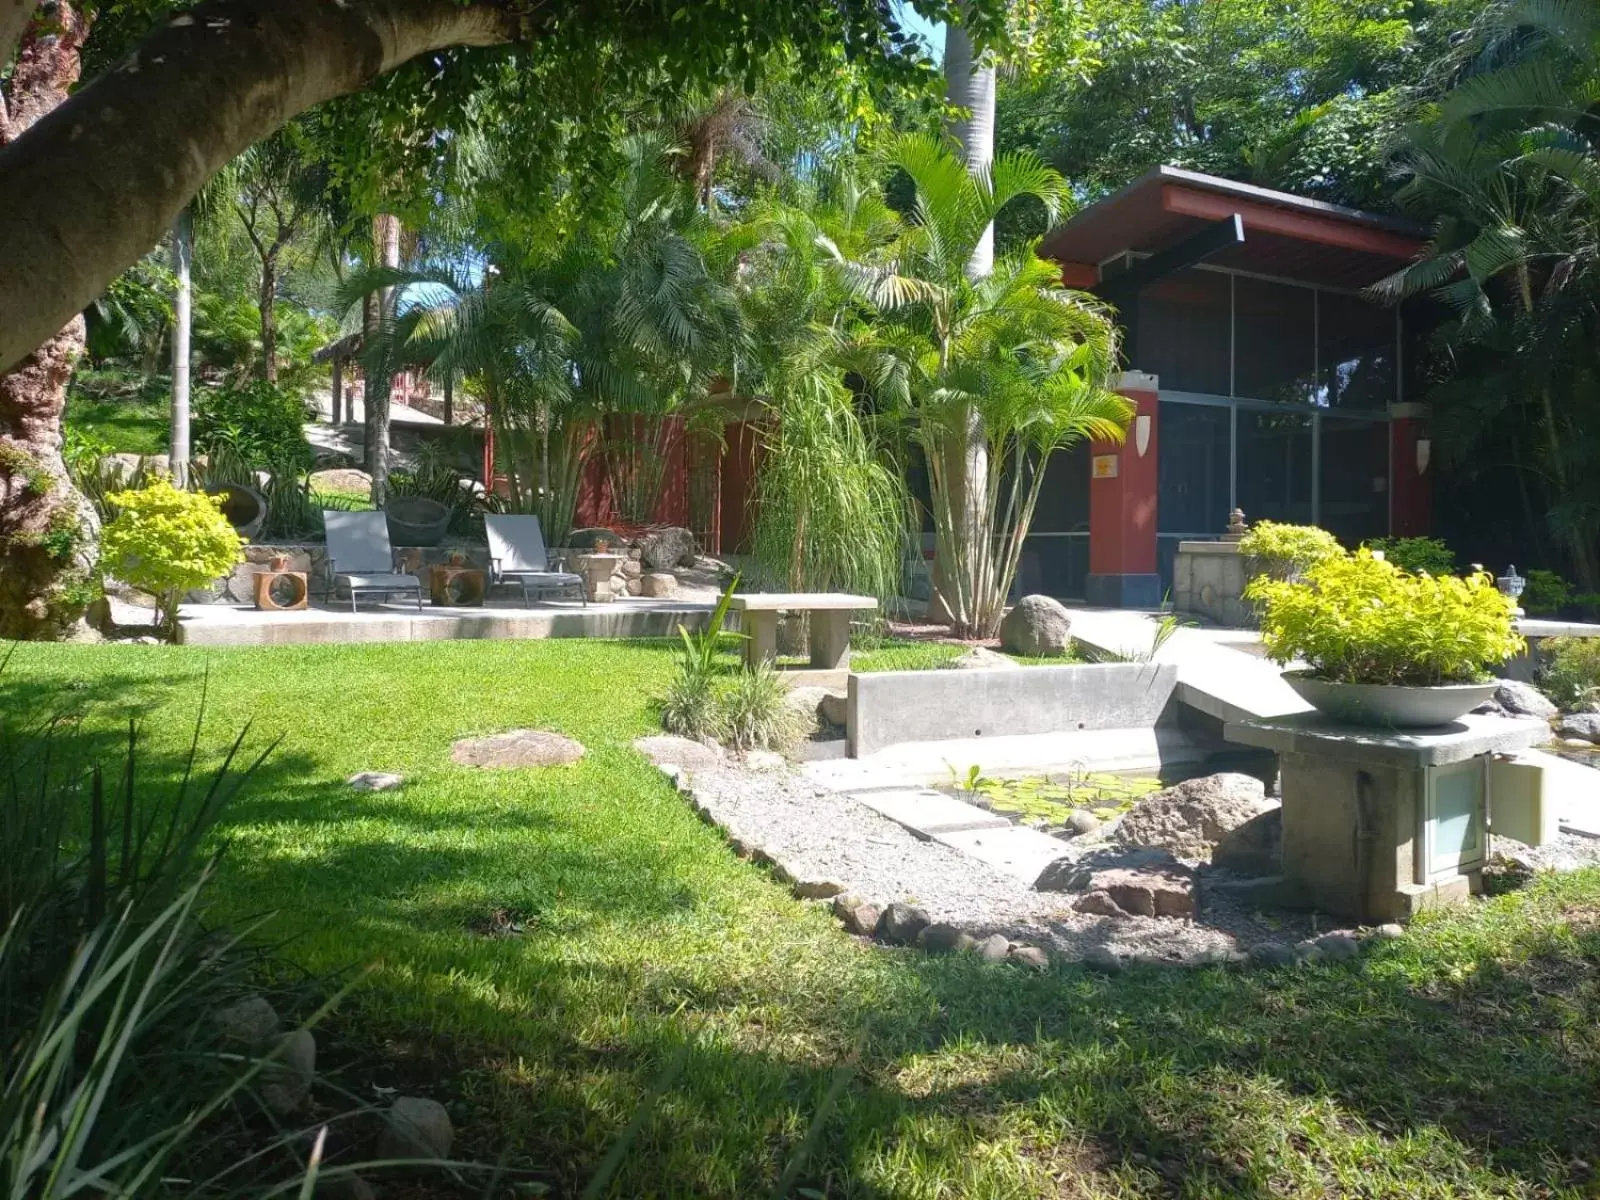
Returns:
<point x="99" y="181"/>
<point x="48" y="533"/>
<point x="969" y="88"/>
<point x="267" y="302"/>
<point x="182" y="325"/>
<point x="380" y="380"/>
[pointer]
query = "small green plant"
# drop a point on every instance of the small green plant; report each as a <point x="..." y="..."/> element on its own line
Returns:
<point x="753" y="710"/>
<point x="689" y="706"/>
<point x="1284" y="551"/>
<point x="1416" y="554"/>
<point x="166" y="541"/>
<point x="260" y="422"/>
<point x="1571" y="673"/>
<point x="1546" y="592"/>
<point x="1359" y="619"/>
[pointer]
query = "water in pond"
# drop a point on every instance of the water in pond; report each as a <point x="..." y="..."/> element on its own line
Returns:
<point x="1048" y="801"/>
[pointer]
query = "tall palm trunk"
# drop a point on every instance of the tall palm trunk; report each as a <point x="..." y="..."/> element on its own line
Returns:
<point x="970" y="89"/>
<point x="182" y="324"/>
<point x="377" y="382"/>
<point x="267" y="302"/>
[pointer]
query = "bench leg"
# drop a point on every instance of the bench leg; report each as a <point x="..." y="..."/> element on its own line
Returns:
<point x="830" y="639"/>
<point x="760" y="631"/>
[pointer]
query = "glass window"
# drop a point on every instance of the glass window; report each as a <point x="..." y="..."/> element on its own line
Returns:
<point x="1274" y="341"/>
<point x="1182" y="331"/>
<point x="1194" y="469"/>
<point x="1275" y="465"/>
<point x="1064" y="497"/>
<point x="1355" y="479"/>
<point x="1355" y="352"/>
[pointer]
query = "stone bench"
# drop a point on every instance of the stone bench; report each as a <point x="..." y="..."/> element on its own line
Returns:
<point x="830" y="624"/>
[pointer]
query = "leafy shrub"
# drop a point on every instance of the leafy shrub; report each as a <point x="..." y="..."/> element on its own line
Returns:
<point x="167" y="541"/>
<point x="1359" y="619"/>
<point x="1285" y="551"/>
<point x="1571" y="672"/>
<point x="1546" y="592"/>
<point x="1416" y="554"/>
<point x="260" y="422"/>
<point x="753" y="712"/>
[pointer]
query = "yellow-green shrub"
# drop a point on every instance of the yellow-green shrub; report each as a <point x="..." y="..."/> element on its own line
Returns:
<point x="166" y="541"/>
<point x="1359" y="619"/>
<point x="1285" y="551"/>
<point x="1572" y="671"/>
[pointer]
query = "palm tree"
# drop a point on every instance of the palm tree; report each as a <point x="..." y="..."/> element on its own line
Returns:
<point x="1010" y="362"/>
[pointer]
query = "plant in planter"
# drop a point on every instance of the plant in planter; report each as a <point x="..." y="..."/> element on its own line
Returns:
<point x="1384" y="646"/>
<point x="1282" y="551"/>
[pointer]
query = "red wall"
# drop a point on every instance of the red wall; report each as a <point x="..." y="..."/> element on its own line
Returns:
<point x="1122" y="508"/>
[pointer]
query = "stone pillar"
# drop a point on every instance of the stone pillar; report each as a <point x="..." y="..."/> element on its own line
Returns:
<point x="1123" y="483"/>
<point x="1411" y="490"/>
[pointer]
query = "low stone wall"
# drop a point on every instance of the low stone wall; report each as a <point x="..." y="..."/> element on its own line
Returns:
<point x="1208" y="581"/>
<point x="891" y="707"/>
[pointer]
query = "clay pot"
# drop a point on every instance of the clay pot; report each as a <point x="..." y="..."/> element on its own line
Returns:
<point x="278" y="562"/>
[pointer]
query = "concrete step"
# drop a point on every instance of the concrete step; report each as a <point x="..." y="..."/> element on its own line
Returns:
<point x="1014" y="850"/>
<point x="928" y="813"/>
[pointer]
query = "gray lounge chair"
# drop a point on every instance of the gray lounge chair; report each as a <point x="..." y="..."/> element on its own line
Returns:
<point x="517" y="557"/>
<point x="360" y="556"/>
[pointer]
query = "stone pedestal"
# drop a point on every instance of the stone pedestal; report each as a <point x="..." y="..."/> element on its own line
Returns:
<point x="1208" y="580"/>
<point x="597" y="570"/>
<point x="1377" y="825"/>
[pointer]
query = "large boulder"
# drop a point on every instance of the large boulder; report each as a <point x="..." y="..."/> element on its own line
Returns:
<point x="1581" y="727"/>
<point x="666" y="548"/>
<point x="1038" y="627"/>
<point x="1192" y="818"/>
<point x="980" y="659"/>
<point x="1524" y="700"/>
<point x="1254" y="848"/>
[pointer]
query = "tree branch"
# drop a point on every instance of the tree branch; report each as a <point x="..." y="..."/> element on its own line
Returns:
<point x="96" y="183"/>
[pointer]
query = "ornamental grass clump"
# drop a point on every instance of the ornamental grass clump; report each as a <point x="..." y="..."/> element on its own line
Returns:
<point x="166" y="541"/>
<point x="1359" y="619"/>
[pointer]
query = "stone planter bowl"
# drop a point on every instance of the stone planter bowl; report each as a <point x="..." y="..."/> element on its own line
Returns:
<point x="245" y="508"/>
<point x="416" y="521"/>
<point x="1386" y="706"/>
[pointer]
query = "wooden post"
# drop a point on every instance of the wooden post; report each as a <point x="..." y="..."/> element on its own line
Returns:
<point x="449" y="399"/>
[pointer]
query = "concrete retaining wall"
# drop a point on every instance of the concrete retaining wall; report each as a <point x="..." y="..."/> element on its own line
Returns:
<point x="892" y="707"/>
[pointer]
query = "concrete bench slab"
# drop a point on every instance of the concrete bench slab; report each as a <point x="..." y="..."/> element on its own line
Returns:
<point x="928" y="813"/>
<point x="799" y="601"/>
<point x="830" y="624"/>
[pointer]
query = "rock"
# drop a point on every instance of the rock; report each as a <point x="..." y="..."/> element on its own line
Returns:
<point x="1491" y="708"/>
<point x="764" y="760"/>
<point x="1388" y="931"/>
<point x="900" y="924"/>
<point x="634" y="587"/>
<point x="1031" y="957"/>
<point x="1524" y="700"/>
<point x="859" y="918"/>
<point x="660" y="584"/>
<point x="834" y="708"/>
<point x="631" y="568"/>
<point x="1083" y="822"/>
<point x="342" y="479"/>
<point x="666" y="548"/>
<point x="1583" y="726"/>
<point x="1073" y="872"/>
<point x="1271" y="954"/>
<point x="375" y="781"/>
<point x="1339" y="946"/>
<point x="1150" y="891"/>
<point x="1254" y="848"/>
<point x="807" y="701"/>
<point x="668" y="749"/>
<point x="994" y="948"/>
<point x="252" y="1022"/>
<point x="817" y="889"/>
<point x="1038" y="627"/>
<point x="1099" y="904"/>
<point x="942" y="938"/>
<point x="286" y="1080"/>
<point x="517" y="748"/>
<point x="1307" y="951"/>
<point x="415" y="1127"/>
<point x="979" y="659"/>
<point x="1191" y="818"/>
<point x="1102" y="959"/>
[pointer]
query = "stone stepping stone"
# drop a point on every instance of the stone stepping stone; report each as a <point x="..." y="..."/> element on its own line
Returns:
<point x="928" y="813"/>
<point x="670" y="750"/>
<point x="1016" y="851"/>
<point x="517" y="748"/>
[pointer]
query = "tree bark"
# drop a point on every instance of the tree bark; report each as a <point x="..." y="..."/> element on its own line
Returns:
<point x="95" y="184"/>
<point x="182" y="324"/>
<point x="267" y="303"/>
<point x="48" y="532"/>
<point x="380" y="380"/>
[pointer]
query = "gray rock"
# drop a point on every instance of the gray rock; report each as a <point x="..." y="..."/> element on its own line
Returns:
<point x="659" y="584"/>
<point x="1083" y="822"/>
<point x="1524" y="700"/>
<point x="251" y="1023"/>
<point x="859" y="918"/>
<point x="834" y="709"/>
<point x="666" y="548"/>
<point x="1192" y="817"/>
<point x="1254" y="848"/>
<point x="1272" y="954"/>
<point x="1074" y="872"/>
<point x="1038" y="627"/>
<point x="1098" y="904"/>
<point x="286" y="1080"/>
<point x="1103" y="959"/>
<point x="517" y="748"/>
<point x="1166" y="891"/>
<point x="900" y="924"/>
<point x="942" y="938"/>
<point x="415" y="1127"/>
<point x="1389" y="931"/>
<point x="1031" y="957"/>
<point x="632" y="568"/>
<point x="668" y="749"/>
<point x="1338" y="946"/>
<point x="994" y="948"/>
<point x="375" y="781"/>
<point x="1581" y="726"/>
<point x="817" y="889"/>
<point x="1308" y="951"/>
<point x="980" y="659"/>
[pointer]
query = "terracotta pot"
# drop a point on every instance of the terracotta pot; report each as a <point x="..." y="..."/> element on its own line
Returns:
<point x="601" y="545"/>
<point x="278" y="562"/>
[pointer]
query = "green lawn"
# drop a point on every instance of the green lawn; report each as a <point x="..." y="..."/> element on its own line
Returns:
<point x="128" y="412"/>
<point x="1457" y="1062"/>
<point x="904" y="654"/>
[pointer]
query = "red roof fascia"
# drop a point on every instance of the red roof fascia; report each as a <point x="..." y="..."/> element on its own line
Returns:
<point x="1306" y="227"/>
